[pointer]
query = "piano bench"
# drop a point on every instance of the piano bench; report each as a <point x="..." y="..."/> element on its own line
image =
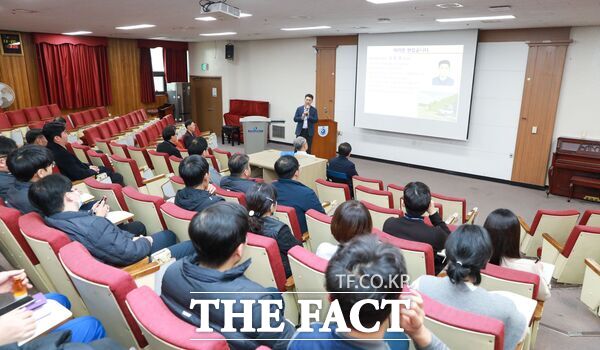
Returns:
<point x="582" y="181"/>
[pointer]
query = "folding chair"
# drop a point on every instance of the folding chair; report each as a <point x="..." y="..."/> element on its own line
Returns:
<point x="377" y="197"/>
<point x="463" y="330"/>
<point x="568" y="258"/>
<point x="146" y="209"/>
<point x="380" y="214"/>
<point x="164" y="330"/>
<point x="330" y="191"/>
<point x="81" y="152"/>
<point x="590" y="218"/>
<point x="103" y="288"/>
<point x="418" y="255"/>
<point x="557" y="223"/>
<point x="231" y="196"/>
<point x="113" y="193"/>
<point x="132" y="176"/>
<point x="18" y="252"/>
<point x="590" y="291"/>
<point x="45" y="243"/>
<point x="177" y="220"/>
<point x="288" y="216"/>
<point x="319" y="230"/>
<point x="367" y="182"/>
<point x="99" y="159"/>
<point x="309" y="276"/>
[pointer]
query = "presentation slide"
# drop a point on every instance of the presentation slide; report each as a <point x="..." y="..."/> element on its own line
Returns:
<point x="416" y="83"/>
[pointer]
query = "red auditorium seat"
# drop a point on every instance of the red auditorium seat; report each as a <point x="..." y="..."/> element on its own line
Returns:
<point x="419" y="256"/>
<point x="88" y="118"/>
<point x="81" y="151"/>
<point x="160" y="161"/>
<point x="113" y="127"/>
<point x="44" y="112"/>
<point x="113" y="193"/>
<point x="54" y="110"/>
<point x="231" y="196"/>
<point x="17" y="118"/>
<point x="381" y="198"/>
<point x="121" y="124"/>
<point x="367" y="182"/>
<point x="32" y="114"/>
<point x="104" y="131"/>
<point x="4" y="122"/>
<point x="99" y="159"/>
<point x="96" y="114"/>
<point x="328" y="191"/>
<point x="163" y="329"/>
<point x="288" y="216"/>
<point x="90" y="135"/>
<point x="103" y="112"/>
<point x="128" y="120"/>
<point x="177" y="219"/>
<point x="146" y="208"/>
<point x="77" y="119"/>
<point x="266" y="268"/>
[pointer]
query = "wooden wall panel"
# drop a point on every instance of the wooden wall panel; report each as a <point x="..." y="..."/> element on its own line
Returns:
<point x="13" y="71"/>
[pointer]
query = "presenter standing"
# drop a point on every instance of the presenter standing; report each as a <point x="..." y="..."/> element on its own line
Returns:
<point x="306" y="116"/>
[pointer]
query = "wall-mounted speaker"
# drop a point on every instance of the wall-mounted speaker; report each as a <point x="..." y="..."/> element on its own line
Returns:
<point x="229" y="51"/>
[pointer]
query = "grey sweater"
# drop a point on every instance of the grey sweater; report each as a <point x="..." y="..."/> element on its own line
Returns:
<point x="476" y="300"/>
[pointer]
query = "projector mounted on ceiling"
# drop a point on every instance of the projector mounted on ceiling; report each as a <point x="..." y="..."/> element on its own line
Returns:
<point x="219" y="9"/>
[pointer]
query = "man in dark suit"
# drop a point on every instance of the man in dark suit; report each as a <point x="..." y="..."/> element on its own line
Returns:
<point x="239" y="180"/>
<point x="417" y="201"/>
<point x="306" y="116"/>
<point x="190" y="133"/>
<point x="68" y="164"/>
<point x="341" y="164"/>
<point x="7" y="180"/>
<point x="292" y="193"/>
<point x="169" y="145"/>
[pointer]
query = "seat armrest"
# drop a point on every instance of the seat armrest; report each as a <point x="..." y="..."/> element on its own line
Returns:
<point x="152" y="179"/>
<point x="470" y="219"/>
<point x="142" y="268"/>
<point x="79" y="182"/>
<point x="524" y="224"/>
<point x="593" y="265"/>
<point x="305" y="237"/>
<point x="452" y="219"/>
<point x="539" y="310"/>
<point x="552" y="241"/>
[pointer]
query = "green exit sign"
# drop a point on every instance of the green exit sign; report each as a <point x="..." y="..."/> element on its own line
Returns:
<point x="204" y="67"/>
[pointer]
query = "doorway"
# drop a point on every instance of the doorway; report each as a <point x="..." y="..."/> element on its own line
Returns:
<point x="207" y="103"/>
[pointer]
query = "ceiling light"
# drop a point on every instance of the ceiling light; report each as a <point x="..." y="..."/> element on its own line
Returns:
<point x="81" y="32"/>
<point x="468" y="19"/>
<point x="218" y="34"/>
<point x="386" y="1"/>
<point x="205" y="19"/>
<point x="242" y="15"/>
<point x="305" y="28"/>
<point x="137" y="26"/>
<point x="450" y="5"/>
<point x="159" y="38"/>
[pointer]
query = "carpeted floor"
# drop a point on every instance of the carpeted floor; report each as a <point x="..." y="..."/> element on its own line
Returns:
<point x="566" y="322"/>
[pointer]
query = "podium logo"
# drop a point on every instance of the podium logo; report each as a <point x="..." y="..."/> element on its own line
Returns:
<point x="255" y="129"/>
<point x="323" y="131"/>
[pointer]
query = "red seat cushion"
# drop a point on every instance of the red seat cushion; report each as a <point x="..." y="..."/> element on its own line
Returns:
<point x="113" y="127"/>
<point x="103" y="112"/>
<point x="32" y="114"/>
<point x="55" y="110"/>
<point x="88" y="118"/>
<point x="96" y="114"/>
<point x="121" y="124"/>
<point x="77" y="119"/>
<point x="104" y="131"/>
<point x="17" y="118"/>
<point x="4" y="122"/>
<point x="44" y="112"/>
<point x="91" y="135"/>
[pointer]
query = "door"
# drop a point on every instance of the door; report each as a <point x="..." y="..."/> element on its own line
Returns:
<point x="538" y="111"/>
<point x="207" y="103"/>
<point x="325" y="82"/>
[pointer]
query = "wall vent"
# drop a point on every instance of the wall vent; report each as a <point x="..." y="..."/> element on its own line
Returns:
<point x="278" y="132"/>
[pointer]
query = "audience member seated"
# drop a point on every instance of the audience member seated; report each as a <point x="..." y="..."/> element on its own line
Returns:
<point x="293" y="193"/>
<point x="504" y="229"/>
<point x="169" y="145"/>
<point x="262" y="203"/>
<point x="28" y="164"/>
<point x="239" y="180"/>
<point x="7" y="180"/>
<point x="300" y="146"/>
<point x="365" y="256"/>
<point x="417" y="201"/>
<point x="350" y="219"/>
<point x="341" y="163"/>
<point x="36" y="137"/>
<point x="199" y="146"/>
<point x="60" y="204"/>
<point x="219" y="235"/>
<point x="468" y="250"/>
<point x="190" y="133"/>
<point x="68" y="164"/>
<point x="20" y="324"/>
<point x="196" y="195"/>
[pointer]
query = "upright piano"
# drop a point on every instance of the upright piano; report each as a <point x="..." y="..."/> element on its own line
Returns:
<point x="575" y="170"/>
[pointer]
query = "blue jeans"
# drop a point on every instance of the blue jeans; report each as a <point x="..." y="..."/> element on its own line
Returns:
<point x="167" y="239"/>
<point x="83" y="329"/>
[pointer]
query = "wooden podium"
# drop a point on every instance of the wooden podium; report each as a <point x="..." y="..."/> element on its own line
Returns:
<point x="324" y="141"/>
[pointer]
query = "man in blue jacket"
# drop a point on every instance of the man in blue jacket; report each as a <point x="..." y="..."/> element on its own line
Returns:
<point x="306" y="116"/>
<point x="219" y="235"/>
<point x="293" y="193"/>
<point x="239" y="180"/>
<point x="59" y="202"/>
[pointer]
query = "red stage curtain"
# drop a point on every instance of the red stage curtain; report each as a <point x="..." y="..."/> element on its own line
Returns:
<point x="175" y="65"/>
<point x="146" y="77"/>
<point x="73" y="75"/>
